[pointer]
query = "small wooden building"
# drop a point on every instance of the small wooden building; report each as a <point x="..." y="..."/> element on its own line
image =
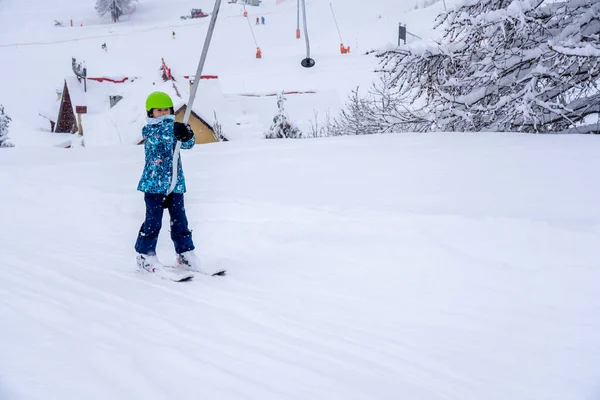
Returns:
<point x="203" y="131"/>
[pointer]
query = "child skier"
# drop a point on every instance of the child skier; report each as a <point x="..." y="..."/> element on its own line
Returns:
<point x="160" y="137"/>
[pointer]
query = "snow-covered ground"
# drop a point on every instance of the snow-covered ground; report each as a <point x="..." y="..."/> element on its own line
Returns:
<point x="409" y="266"/>
<point x="425" y="267"/>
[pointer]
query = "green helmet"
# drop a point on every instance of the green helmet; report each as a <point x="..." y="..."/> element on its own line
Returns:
<point x="158" y="100"/>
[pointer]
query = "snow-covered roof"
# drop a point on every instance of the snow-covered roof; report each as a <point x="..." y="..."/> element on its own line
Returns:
<point x="103" y="125"/>
<point x="209" y="99"/>
<point x="99" y="90"/>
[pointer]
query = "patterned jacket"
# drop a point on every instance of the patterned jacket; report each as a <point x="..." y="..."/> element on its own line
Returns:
<point x="159" y="144"/>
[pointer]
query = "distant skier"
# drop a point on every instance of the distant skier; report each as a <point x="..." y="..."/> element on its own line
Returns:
<point x="160" y="137"/>
<point x="104" y="47"/>
<point x="257" y="21"/>
<point x="262" y="20"/>
<point x="173" y="34"/>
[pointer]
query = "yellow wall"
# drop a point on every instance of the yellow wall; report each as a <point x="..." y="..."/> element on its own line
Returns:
<point x="203" y="133"/>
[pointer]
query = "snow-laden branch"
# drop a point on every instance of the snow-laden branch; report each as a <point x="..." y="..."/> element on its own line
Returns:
<point x="521" y="65"/>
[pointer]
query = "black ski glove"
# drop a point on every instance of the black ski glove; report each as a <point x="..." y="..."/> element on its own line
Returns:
<point x="183" y="132"/>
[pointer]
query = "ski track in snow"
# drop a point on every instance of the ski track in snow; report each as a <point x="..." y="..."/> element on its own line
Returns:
<point x="387" y="294"/>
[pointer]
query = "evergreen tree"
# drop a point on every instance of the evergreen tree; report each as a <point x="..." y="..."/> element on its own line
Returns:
<point x="524" y="65"/>
<point x="282" y="127"/>
<point x="4" y="123"/>
<point x="116" y="8"/>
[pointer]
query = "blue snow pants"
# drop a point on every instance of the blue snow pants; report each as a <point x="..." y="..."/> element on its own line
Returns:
<point x="180" y="234"/>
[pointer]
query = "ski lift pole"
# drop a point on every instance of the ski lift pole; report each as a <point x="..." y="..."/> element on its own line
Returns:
<point x="305" y="29"/>
<point x="252" y="31"/>
<point x="307" y="62"/>
<point x="188" y="110"/>
<point x="336" y="24"/>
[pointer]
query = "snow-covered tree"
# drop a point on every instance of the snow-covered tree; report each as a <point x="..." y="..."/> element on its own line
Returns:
<point x="321" y="128"/>
<point x="382" y="110"/>
<point x="282" y="127"/>
<point x="4" y="123"/>
<point x="524" y="65"/>
<point x="116" y="8"/>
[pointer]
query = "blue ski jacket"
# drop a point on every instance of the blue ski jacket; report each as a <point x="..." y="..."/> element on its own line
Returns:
<point x="159" y="144"/>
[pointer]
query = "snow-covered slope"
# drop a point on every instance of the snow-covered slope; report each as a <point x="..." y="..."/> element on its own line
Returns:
<point x="410" y="266"/>
<point x="416" y="266"/>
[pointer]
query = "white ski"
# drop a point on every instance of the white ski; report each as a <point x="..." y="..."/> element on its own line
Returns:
<point x="162" y="271"/>
<point x="202" y="270"/>
<point x="189" y="261"/>
<point x="170" y="274"/>
<point x="173" y="274"/>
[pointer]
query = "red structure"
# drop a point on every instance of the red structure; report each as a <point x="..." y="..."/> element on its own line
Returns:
<point x="275" y="94"/>
<point x="167" y="76"/>
<point x="203" y="76"/>
<point x="198" y="13"/>
<point x="112" y="80"/>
